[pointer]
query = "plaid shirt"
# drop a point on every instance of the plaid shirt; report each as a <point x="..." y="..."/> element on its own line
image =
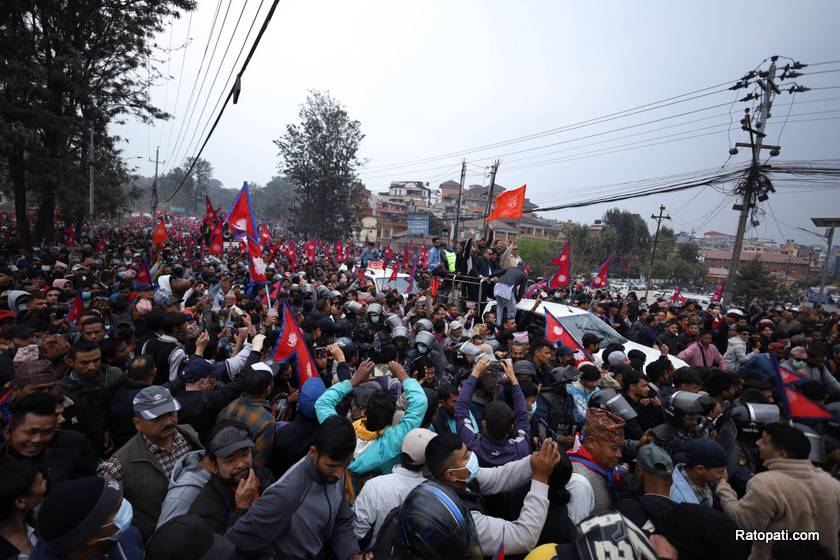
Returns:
<point x="256" y="414"/>
<point x="165" y="459"/>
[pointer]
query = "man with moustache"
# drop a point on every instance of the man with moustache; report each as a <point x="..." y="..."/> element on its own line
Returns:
<point x="144" y="465"/>
<point x="236" y="480"/>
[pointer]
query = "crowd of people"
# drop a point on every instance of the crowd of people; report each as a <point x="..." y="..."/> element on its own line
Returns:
<point x="144" y="415"/>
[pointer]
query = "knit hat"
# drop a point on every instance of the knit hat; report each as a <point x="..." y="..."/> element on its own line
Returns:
<point x="188" y="538"/>
<point x="35" y="372"/>
<point x="524" y="367"/>
<point x="604" y="425"/>
<point x="706" y="452"/>
<point x="74" y="510"/>
<point x="53" y="346"/>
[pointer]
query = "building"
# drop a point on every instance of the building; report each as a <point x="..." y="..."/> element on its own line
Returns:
<point x="784" y="266"/>
<point x="415" y="191"/>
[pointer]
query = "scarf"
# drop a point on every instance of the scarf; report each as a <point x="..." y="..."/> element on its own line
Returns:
<point x="363" y="433"/>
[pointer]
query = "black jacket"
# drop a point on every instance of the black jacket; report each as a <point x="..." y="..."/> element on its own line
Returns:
<point x="69" y="456"/>
<point x="216" y="502"/>
<point x="199" y="409"/>
<point x="121" y="413"/>
<point x="291" y="443"/>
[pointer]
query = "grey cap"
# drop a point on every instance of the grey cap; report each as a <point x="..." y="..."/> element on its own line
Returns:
<point x="655" y="460"/>
<point x="228" y="441"/>
<point x="154" y="401"/>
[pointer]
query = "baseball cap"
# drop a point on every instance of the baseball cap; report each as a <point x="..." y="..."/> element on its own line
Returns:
<point x="655" y="460"/>
<point x="455" y="325"/>
<point x="616" y="357"/>
<point x="706" y="452"/>
<point x="199" y="368"/>
<point x="153" y="402"/>
<point x="562" y="350"/>
<point x="189" y="538"/>
<point x="228" y="441"/>
<point x="591" y="338"/>
<point x="414" y="445"/>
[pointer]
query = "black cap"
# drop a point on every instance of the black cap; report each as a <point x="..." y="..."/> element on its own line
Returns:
<point x="705" y="452"/>
<point x="188" y="538"/>
<point x="563" y="351"/>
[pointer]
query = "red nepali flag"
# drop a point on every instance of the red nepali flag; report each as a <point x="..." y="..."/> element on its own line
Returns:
<point x="70" y="232"/>
<point x="100" y="247"/>
<point x="389" y="254"/>
<point x="310" y="251"/>
<point x="563" y="275"/>
<point x="210" y="216"/>
<point x="339" y="251"/>
<point x="435" y="286"/>
<point x="600" y="278"/>
<point x="256" y="265"/>
<point x="290" y="345"/>
<point x="240" y="219"/>
<point x="718" y="295"/>
<point x="556" y="333"/>
<point x="217" y="240"/>
<point x="160" y="236"/>
<point x="292" y="257"/>
<point x="269" y="298"/>
<point x="76" y="310"/>
<point x="394" y="271"/>
<point x="265" y="236"/>
<point x="424" y="256"/>
<point x="796" y="405"/>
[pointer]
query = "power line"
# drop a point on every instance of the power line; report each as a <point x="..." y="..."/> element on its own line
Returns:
<point x="204" y="79"/>
<point x="187" y="42"/>
<point x="216" y="76"/>
<point x="195" y="82"/>
<point x="227" y="99"/>
<point x="589" y="122"/>
<point x="168" y="77"/>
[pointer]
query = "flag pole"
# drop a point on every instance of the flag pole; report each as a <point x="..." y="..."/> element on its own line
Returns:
<point x="268" y="295"/>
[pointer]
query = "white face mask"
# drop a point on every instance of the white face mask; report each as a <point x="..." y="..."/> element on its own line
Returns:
<point x="471" y="466"/>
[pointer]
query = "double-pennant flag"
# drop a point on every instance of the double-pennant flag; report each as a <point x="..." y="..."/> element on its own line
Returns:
<point x="160" y="236"/>
<point x="556" y="333"/>
<point x="265" y="236"/>
<point x="240" y="220"/>
<point x="600" y="278"/>
<point x="563" y="263"/>
<point x="76" y="309"/>
<point x="217" y="240"/>
<point x="210" y="215"/>
<point x="291" y="345"/>
<point x="509" y="205"/>
<point x="796" y="405"/>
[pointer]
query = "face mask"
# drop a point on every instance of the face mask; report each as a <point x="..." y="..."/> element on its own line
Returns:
<point x="472" y="466"/>
<point x="85" y="296"/>
<point x="533" y="408"/>
<point x="798" y="364"/>
<point x="422" y="348"/>
<point x="122" y="521"/>
<point x="374" y="318"/>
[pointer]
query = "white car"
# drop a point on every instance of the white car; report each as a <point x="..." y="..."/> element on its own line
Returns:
<point x="382" y="279"/>
<point x="578" y="322"/>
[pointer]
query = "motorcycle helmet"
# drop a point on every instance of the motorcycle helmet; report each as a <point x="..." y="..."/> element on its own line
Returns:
<point x="612" y="536"/>
<point x="611" y="401"/>
<point x="817" y="454"/>
<point x="374" y="312"/>
<point x="423" y="325"/>
<point x="354" y="307"/>
<point x="434" y="524"/>
<point x="424" y="338"/>
<point x="399" y="333"/>
<point x="750" y="418"/>
<point x="393" y="321"/>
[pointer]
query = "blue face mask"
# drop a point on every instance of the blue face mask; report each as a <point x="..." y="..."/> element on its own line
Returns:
<point x="122" y="521"/>
<point x="422" y="348"/>
<point x="472" y="466"/>
<point x="533" y="408"/>
<point x="798" y="364"/>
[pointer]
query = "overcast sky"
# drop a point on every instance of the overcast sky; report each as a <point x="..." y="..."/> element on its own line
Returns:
<point x="436" y="77"/>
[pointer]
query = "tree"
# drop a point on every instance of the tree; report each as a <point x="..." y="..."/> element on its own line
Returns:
<point x="625" y="235"/>
<point x="754" y="281"/>
<point x="203" y="173"/>
<point x="276" y="200"/>
<point x="319" y="156"/>
<point x="67" y="70"/>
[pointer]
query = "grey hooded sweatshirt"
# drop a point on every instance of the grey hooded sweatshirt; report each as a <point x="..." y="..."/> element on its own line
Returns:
<point x="188" y="480"/>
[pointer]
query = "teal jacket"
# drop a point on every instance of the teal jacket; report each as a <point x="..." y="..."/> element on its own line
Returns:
<point x="384" y="452"/>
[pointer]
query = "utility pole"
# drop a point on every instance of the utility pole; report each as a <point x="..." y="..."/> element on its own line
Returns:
<point x="826" y="269"/>
<point x="455" y="233"/>
<point x="90" y="172"/>
<point x="493" y="169"/>
<point x="750" y="185"/>
<point x="156" y="161"/>
<point x="653" y="252"/>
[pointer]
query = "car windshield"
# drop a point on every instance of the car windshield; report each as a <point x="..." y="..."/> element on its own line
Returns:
<point x="384" y="284"/>
<point x="583" y="323"/>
